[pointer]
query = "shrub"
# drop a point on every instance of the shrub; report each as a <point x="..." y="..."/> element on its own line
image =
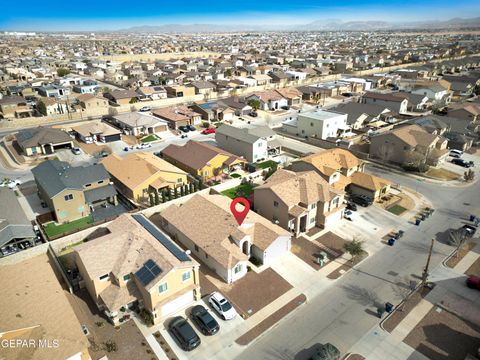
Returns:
<point x="110" y="346"/>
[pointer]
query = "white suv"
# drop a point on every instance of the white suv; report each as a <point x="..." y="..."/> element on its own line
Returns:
<point x="222" y="306"/>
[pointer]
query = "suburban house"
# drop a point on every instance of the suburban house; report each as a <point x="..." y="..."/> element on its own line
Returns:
<point x="35" y="308"/>
<point x="393" y="101"/>
<point x="122" y="97"/>
<point x="292" y="94"/>
<point x="434" y="90"/>
<point x="320" y="124"/>
<point x="43" y="140"/>
<point x="177" y="116"/>
<point x="360" y="115"/>
<point x="13" y="107"/>
<point x="213" y="111"/>
<point x="253" y="144"/>
<point x="14" y="225"/>
<point x="203" y="87"/>
<point x="458" y="141"/>
<point x="136" y="123"/>
<point x="139" y="174"/>
<point x="136" y="266"/>
<point x="202" y="160"/>
<point x="92" y="102"/>
<point x="225" y="250"/>
<point x="339" y="167"/>
<point x="400" y="144"/>
<point x="240" y="108"/>
<point x="180" y="91"/>
<point x="97" y="131"/>
<point x="298" y="201"/>
<point x="465" y="111"/>
<point x="152" y="92"/>
<point x="73" y="193"/>
<point x="269" y="100"/>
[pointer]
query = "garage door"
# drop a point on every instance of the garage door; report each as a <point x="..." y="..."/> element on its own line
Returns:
<point x="177" y="304"/>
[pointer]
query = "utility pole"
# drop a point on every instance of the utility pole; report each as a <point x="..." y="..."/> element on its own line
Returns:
<point x="425" y="271"/>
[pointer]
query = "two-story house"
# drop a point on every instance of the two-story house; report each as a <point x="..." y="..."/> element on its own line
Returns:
<point x="136" y="266"/>
<point x="322" y="124"/>
<point x="392" y="101"/>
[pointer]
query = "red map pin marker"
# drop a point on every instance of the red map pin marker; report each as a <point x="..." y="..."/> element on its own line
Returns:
<point x="242" y="214"/>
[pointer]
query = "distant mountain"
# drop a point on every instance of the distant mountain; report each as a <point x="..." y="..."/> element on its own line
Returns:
<point x="190" y="28"/>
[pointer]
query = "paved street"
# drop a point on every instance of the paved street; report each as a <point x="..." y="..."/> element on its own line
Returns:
<point x="345" y="313"/>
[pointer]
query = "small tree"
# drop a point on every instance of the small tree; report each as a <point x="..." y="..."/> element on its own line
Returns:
<point x="157" y="198"/>
<point x="254" y="103"/>
<point x="175" y="194"/>
<point x="192" y="187"/>
<point x="182" y="191"/>
<point x="469" y="175"/>
<point x="354" y="248"/>
<point x="62" y="72"/>
<point x="42" y="108"/>
<point x="457" y="238"/>
<point x="186" y="189"/>
<point x="133" y="100"/>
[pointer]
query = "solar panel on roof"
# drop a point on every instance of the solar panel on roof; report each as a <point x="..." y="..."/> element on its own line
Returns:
<point x="148" y="272"/>
<point x="152" y="229"/>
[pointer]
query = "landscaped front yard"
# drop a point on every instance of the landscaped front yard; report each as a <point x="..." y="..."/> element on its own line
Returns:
<point x="53" y="229"/>
<point x="397" y="209"/>
<point x="149" y="138"/>
<point x="242" y="190"/>
<point x="266" y="164"/>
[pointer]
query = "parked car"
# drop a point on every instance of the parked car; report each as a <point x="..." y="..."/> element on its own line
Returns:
<point x="191" y="128"/>
<point x="184" y="333"/>
<point x="76" y="151"/>
<point x="461" y="162"/>
<point x="473" y="282"/>
<point x="222" y="306"/>
<point x="347" y="94"/>
<point x="286" y="107"/>
<point x="469" y="230"/>
<point x="207" y="324"/>
<point x="456" y="153"/>
<point x="208" y="131"/>
<point x="326" y="352"/>
<point x="183" y="136"/>
<point x="361" y="200"/>
<point x="145" y="109"/>
<point x="351" y="206"/>
<point x="144" y="146"/>
<point x="253" y="114"/>
<point x="12" y="184"/>
<point x="183" y="128"/>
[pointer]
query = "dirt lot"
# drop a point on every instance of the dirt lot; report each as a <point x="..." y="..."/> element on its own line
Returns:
<point x="442" y="174"/>
<point x="474" y="269"/>
<point x="129" y="340"/>
<point x="249" y="294"/>
<point x="442" y="335"/>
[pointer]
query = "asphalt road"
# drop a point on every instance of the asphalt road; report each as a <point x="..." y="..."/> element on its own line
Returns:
<point x="344" y="313"/>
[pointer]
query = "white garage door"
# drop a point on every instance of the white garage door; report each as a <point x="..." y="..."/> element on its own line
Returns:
<point x="177" y="304"/>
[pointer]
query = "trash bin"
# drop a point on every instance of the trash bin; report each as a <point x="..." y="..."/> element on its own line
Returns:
<point x="400" y="233"/>
<point x="388" y="307"/>
<point x="423" y="217"/>
<point x="391" y="241"/>
<point x="472" y="217"/>
<point x="417" y="222"/>
<point x="380" y="312"/>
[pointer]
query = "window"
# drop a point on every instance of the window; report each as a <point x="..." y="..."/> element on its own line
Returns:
<point x="260" y="144"/>
<point x="205" y="173"/>
<point x="314" y="206"/>
<point x="103" y="277"/>
<point x="206" y="256"/>
<point x="312" y="220"/>
<point x="196" y="248"/>
<point x="237" y="269"/>
<point x="179" y="180"/>
<point x="126" y="277"/>
<point x="186" y="276"/>
<point x="163" y="287"/>
<point x="100" y="182"/>
<point x="68" y="197"/>
<point x="311" y="124"/>
<point x="275" y="203"/>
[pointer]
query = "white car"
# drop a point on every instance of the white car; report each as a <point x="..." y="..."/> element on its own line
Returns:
<point x="145" y="109"/>
<point x="144" y="146"/>
<point x="13" y="184"/>
<point x="222" y="306"/>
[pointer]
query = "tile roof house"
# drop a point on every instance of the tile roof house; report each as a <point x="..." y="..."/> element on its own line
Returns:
<point x="13" y="106"/>
<point x="136" y="123"/>
<point x="223" y="245"/>
<point x="360" y="115"/>
<point x="34" y="307"/>
<point x="298" y="201"/>
<point x="135" y="265"/>
<point x="201" y="159"/>
<point x="214" y="111"/>
<point x="43" y="140"/>
<point x="397" y="144"/>
<point x="14" y="225"/>
<point x="90" y="101"/>
<point x="253" y="144"/>
<point x="269" y="100"/>
<point x="137" y="175"/>
<point x="122" y="97"/>
<point x="72" y="193"/>
<point x="177" y="116"/>
<point x="97" y="131"/>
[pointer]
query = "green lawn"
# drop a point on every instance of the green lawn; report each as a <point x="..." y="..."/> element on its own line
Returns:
<point x="266" y="164"/>
<point x="236" y="176"/>
<point x="243" y="190"/>
<point x="54" y="229"/>
<point x="149" y="138"/>
<point x="397" y="209"/>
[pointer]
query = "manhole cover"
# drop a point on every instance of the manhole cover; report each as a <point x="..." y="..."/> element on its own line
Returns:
<point x="393" y="273"/>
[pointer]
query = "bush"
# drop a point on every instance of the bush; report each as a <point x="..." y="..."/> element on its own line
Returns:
<point x="146" y="316"/>
<point x="236" y="176"/>
<point x="110" y="346"/>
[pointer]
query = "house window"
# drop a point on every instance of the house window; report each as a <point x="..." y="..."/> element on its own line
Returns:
<point x="312" y="220"/>
<point x="275" y="203"/>
<point x="205" y="173"/>
<point x="163" y="287"/>
<point x="237" y="269"/>
<point x="311" y="124"/>
<point x="68" y="197"/>
<point x="314" y="206"/>
<point x="196" y="248"/>
<point x="126" y="277"/>
<point x="103" y="277"/>
<point x="259" y="144"/>
<point x="206" y="256"/>
<point x="179" y="180"/>
<point x="186" y="276"/>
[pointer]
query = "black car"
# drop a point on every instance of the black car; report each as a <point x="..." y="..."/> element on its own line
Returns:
<point x="207" y="324"/>
<point x="361" y="200"/>
<point x="286" y="107"/>
<point x="191" y="127"/>
<point x="184" y="129"/>
<point x="351" y="206"/>
<point x="184" y="333"/>
<point x="461" y="162"/>
<point x="253" y="114"/>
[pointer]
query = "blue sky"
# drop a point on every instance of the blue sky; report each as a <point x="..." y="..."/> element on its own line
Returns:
<point x="92" y="15"/>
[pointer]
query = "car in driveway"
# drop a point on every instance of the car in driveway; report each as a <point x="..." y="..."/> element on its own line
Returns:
<point x="208" y="131"/>
<point x="184" y="333"/>
<point x="463" y="163"/>
<point x="204" y="320"/>
<point x="351" y="206"/>
<point x="286" y="107"/>
<point x="191" y="128"/>
<point x="469" y="230"/>
<point x="144" y="146"/>
<point x="473" y="282"/>
<point x="183" y="129"/>
<point x="456" y="153"/>
<point x="253" y="114"/>
<point x="325" y="352"/>
<point x="76" y="151"/>
<point x="362" y="200"/>
<point x="145" y="109"/>
<point x="222" y="306"/>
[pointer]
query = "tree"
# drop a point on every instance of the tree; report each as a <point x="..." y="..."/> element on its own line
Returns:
<point x="175" y="194"/>
<point x="191" y="187"/>
<point x="182" y="191"/>
<point x="254" y="103"/>
<point x="157" y="198"/>
<point x="457" y="238"/>
<point x="164" y="196"/>
<point x="354" y="248"/>
<point x="415" y="161"/>
<point x="42" y="109"/>
<point x="469" y="175"/>
<point x="228" y="73"/>
<point x="133" y="100"/>
<point x="62" y="72"/>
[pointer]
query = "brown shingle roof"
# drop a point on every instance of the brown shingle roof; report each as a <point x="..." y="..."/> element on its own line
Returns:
<point x="329" y="161"/>
<point x="370" y="182"/>
<point x="413" y="135"/>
